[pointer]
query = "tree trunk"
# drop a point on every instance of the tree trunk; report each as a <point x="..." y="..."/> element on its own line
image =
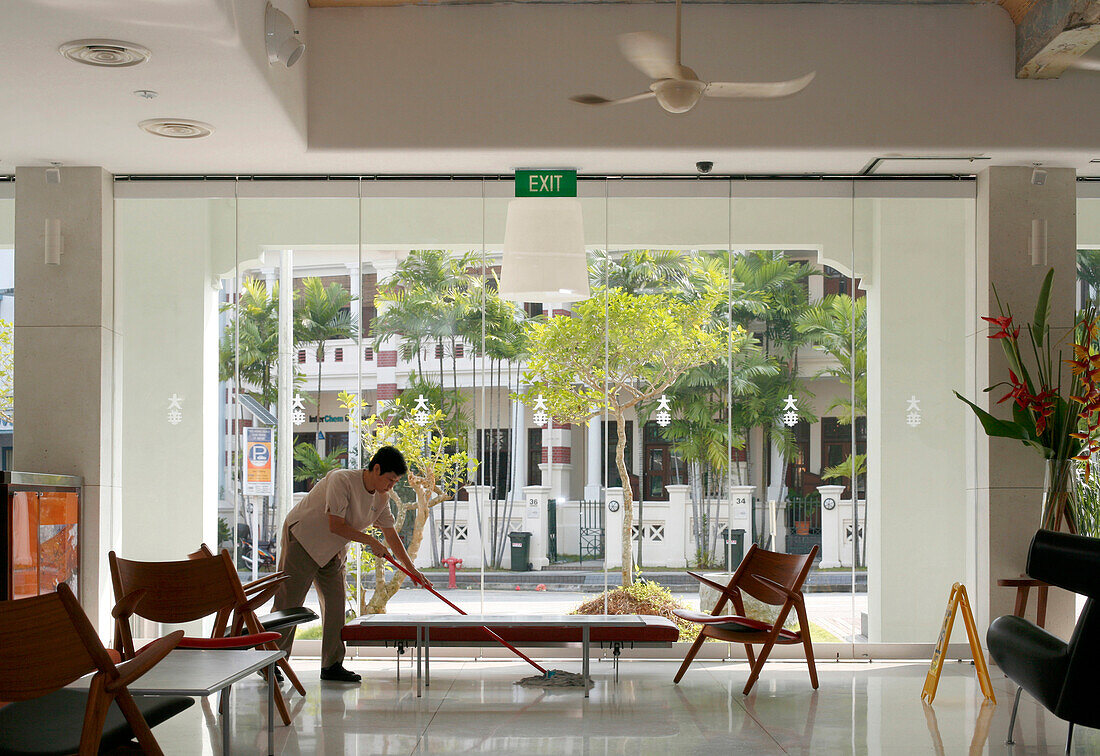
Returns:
<point x="696" y="512"/>
<point x="384" y="589"/>
<point x="320" y="357"/>
<point x="628" y="501"/>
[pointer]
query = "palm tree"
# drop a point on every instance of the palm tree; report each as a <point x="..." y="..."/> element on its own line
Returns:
<point x="312" y="466"/>
<point x="250" y="342"/>
<point x="324" y="314"/>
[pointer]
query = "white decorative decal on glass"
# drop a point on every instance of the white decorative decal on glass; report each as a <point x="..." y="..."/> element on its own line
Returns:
<point x="790" y="412"/>
<point x="541" y="416"/>
<point x="175" y="409"/>
<point x="299" y="413"/>
<point x="421" y="415"/>
<point x="912" y="412"/>
<point x="664" y="416"/>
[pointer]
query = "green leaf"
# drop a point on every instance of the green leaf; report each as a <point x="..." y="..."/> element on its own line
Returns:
<point x="1042" y="309"/>
<point x="996" y="427"/>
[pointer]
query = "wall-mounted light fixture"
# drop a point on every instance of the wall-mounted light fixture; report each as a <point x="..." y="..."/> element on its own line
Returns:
<point x="54" y="242"/>
<point x="1038" y="243"/>
<point x="544" y="257"/>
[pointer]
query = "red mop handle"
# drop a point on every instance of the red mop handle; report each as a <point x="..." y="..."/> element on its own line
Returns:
<point x="446" y="601"/>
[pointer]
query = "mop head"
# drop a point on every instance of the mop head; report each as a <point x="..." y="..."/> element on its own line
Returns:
<point x="556" y="678"/>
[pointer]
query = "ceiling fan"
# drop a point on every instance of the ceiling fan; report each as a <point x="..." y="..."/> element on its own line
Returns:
<point x="677" y="87"/>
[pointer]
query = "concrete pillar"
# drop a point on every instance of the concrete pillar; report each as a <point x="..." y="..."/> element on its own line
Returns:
<point x="593" y="466"/>
<point x="66" y="351"/>
<point x="1008" y="489"/>
<point x="678" y="526"/>
<point x="477" y="543"/>
<point x="830" y="525"/>
<point x="613" y="527"/>
<point x="519" y="445"/>
<point x="557" y="460"/>
<point x="535" y="522"/>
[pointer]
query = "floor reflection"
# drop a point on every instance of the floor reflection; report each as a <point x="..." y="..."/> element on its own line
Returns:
<point x="473" y="707"/>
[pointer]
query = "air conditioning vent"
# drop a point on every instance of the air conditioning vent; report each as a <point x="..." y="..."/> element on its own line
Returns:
<point x="109" y="53"/>
<point x="177" y="128"/>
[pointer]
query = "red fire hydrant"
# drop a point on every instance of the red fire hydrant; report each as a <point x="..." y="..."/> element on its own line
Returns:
<point x="453" y="563"/>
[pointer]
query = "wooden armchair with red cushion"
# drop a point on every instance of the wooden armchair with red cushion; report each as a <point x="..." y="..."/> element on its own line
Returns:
<point x="773" y="578"/>
<point x="259" y="592"/>
<point x="47" y="642"/>
<point x="186" y="591"/>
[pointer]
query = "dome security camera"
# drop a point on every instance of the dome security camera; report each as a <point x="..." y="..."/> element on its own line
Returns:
<point x="704" y="166"/>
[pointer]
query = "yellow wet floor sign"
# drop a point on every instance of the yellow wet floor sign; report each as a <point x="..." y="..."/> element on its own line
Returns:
<point x="958" y="597"/>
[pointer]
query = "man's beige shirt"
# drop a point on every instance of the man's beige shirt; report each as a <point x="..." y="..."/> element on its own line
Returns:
<point x="343" y="494"/>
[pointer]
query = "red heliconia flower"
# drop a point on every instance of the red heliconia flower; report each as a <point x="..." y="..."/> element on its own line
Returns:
<point x="1005" y="324"/>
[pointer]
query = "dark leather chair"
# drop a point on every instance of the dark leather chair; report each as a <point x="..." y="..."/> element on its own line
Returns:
<point x="1059" y="675"/>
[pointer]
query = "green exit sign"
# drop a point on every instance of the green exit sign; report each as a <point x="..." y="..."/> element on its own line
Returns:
<point x="546" y="183"/>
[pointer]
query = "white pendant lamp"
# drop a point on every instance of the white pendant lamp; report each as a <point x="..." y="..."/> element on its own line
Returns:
<point x="544" y="257"/>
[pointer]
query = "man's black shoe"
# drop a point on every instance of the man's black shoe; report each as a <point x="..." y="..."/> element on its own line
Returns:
<point x="337" y="673"/>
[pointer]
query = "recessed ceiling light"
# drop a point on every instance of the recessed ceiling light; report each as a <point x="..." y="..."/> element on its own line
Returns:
<point x="177" y="128"/>
<point x="111" y="53"/>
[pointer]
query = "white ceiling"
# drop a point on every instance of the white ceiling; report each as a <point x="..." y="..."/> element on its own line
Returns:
<point x="483" y="89"/>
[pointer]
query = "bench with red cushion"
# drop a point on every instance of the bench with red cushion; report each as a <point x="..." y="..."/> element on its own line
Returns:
<point x="655" y="630"/>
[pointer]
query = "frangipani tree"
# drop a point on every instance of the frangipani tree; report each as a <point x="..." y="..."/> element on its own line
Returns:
<point x="615" y="351"/>
<point x="435" y="473"/>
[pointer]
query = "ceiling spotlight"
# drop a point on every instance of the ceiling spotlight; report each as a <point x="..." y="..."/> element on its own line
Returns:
<point x="281" y="38"/>
<point x="109" y="53"/>
<point x="177" y="128"/>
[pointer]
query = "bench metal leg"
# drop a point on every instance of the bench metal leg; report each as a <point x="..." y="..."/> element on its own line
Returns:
<point x="1012" y="719"/>
<point x="427" y="656"/>
<point x="419" y="630"/>
<point x="585" y="648"/>
<point x="1069" y="740"/>
<point x="271" y="709"/>
<point x="226" y="716"/>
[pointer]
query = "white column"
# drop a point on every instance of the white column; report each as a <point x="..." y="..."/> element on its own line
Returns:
<point x="66" y="349"/>
<point x="613" y="527"/>
<point x="677" y="526"/>
<point x="284" y="471"/>
<point x="593" y="475"/>
<point x="831" y="531"/>
<point x="535" y="522"/>
<point x="519" y="445"/>
<point x="353" y="427"/>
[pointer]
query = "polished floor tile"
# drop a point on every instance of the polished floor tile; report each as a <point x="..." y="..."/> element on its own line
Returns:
<point x="474" y="707"/>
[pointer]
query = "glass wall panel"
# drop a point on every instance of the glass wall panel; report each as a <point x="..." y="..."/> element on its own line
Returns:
<point x="297" y="328"/>
<point x="7" y="322"/>
<point x="171" y="253"/>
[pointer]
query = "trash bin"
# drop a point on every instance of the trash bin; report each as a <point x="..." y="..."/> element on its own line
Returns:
<point x="735" y="548"/>
<point x="521" y="550"/>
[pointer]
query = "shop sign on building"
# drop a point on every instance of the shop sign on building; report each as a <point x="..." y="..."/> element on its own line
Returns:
<point x="259" y="478"/>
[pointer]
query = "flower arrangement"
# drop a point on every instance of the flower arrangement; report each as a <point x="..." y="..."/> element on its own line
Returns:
<point x="1056" y="414"/>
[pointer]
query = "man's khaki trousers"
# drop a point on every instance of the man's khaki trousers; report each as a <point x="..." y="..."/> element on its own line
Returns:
<point x="331" y="584"/>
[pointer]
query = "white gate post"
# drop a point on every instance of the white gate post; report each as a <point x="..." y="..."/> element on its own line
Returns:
<point x="830" y="525"/>
<point x="535" y="500"/>
<point x="676" y="525"/>
<point x="613" y="527"/>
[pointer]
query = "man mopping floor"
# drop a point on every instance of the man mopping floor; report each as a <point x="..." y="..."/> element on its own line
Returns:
<point x="315" y="541"/>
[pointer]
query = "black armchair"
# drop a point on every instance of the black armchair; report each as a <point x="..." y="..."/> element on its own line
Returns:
<point x="1061" y="676"/>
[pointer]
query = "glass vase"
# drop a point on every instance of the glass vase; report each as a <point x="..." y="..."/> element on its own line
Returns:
<point x="1058" y="490"/>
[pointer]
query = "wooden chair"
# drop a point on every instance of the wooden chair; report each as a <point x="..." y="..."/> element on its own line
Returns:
<point x="259" y="592"/>
<point x="186" y="591"/>
<point x="772" y="578"/>
<point x="47" y="642"/>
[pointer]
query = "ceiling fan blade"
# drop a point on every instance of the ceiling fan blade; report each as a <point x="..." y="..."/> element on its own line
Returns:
<point x="652" y="54"/>
<point x="591" y="99"/>
<point x="760" y="90"/>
